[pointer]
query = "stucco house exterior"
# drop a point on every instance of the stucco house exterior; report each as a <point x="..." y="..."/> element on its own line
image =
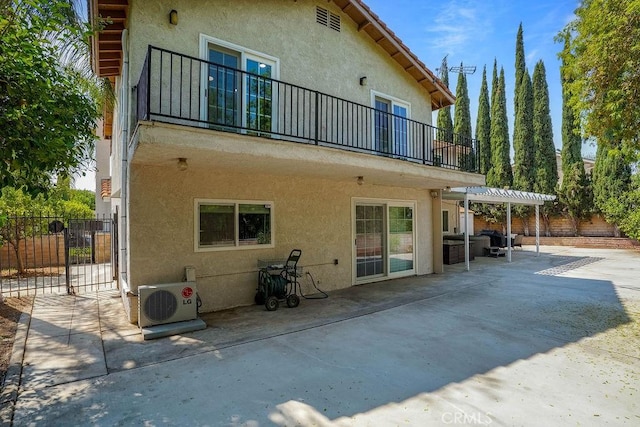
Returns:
<point x="244" y="129"/>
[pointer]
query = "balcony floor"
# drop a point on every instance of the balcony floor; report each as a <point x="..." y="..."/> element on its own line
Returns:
<point x="162" y="144"/>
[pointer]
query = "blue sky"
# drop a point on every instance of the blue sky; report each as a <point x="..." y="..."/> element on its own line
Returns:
<point x="475" y="32"/>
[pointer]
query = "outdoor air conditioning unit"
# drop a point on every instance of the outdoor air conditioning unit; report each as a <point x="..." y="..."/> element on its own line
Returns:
<point x="167" y="303"/>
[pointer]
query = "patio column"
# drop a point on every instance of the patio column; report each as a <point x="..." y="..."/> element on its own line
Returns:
<point x="509" y="231"/>
<point x="466" y="229"/>
<point x="537" y="230"/>
<point x="436" y="214"/>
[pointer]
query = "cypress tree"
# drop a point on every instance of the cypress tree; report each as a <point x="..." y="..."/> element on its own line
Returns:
<point x="462" y="125"/>
<point x="462" y="114"/>
<point x="611" y="180"/>
<point x="500" y="174"/>
<point x="523" y="138"/>
<point x="574" y="191"/>
<point x="520" y="70"/>
<point x="523" y="170"/>
<point x="546" y="169"/>
<point x="494" y="82"/>
<point x="445" y="125"/>
<point x="483" y="125"/>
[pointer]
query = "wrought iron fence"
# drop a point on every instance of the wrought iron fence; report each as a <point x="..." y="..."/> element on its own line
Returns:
<point x="185" y="90"/>
<point x="51" y="254"/>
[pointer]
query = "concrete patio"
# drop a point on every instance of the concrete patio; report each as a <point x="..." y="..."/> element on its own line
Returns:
<point x="548" y="340"/>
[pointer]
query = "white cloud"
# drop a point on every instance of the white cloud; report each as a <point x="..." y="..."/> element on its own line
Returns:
<point x="456" y="24"/>
<point x="531" y="58"/>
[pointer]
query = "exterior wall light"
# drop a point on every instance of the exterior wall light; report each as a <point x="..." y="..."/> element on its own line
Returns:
<point x="173" y="17"/>
<point x="360" y="180"/>
<point x="434" y="194"/>
<point x="363" y="81"/>
<point x="182" y="164"/>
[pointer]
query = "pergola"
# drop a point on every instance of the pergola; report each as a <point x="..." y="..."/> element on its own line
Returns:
<point x="497" y="196"/>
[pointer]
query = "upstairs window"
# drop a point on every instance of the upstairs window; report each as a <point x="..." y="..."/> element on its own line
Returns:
<point x="391" y="126"/>
<point x="238" y="87"/>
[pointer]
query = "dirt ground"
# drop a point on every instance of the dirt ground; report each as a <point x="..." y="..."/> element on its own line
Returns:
<point x="10" y="311"/>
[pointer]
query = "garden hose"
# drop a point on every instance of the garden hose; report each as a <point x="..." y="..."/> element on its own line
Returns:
<point x="324" y="295"/>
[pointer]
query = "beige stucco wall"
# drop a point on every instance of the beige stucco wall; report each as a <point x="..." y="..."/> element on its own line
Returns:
<point x="310" y="55"/>
<point x="314" y="215"/>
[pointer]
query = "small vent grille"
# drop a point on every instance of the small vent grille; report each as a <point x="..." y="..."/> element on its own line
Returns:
<point x="327" y="19"/>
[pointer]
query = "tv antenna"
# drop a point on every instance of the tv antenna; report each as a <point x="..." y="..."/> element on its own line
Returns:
<point x="462" y="69"/>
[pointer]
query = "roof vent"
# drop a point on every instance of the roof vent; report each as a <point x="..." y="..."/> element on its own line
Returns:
<point x="327" y="19"/>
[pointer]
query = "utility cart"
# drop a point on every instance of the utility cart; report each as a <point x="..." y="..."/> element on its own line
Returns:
<point x="278" y="281"/>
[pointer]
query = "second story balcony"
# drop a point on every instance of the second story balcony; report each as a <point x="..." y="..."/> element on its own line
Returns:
<point x="188" y="91"/>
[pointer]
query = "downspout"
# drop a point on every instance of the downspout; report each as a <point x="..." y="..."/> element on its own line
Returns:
<point x="124" y="173"/>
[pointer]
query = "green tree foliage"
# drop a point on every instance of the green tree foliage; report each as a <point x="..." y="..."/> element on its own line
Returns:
<point x="575" y="192"/>
<point x="545" y="166"/>
<point x="524" y="164"/>
<point x="46" y="115"/>
<point x="494" y="82"/>
<point x="444" y="123"/>
<point x="630" y="223"/>
<point x="23" y="215"/>
<point x="602" y="57"/>
<point x="483" y="125"/>
<point x="462" y="114"/>
<point x="520" y="67"/>
<point x="19" y="207"/>
<point x="500" y="174"/>
<point x="611" y="183"/>
<point x="523" y="170"/>
<point x="462" y="125"/>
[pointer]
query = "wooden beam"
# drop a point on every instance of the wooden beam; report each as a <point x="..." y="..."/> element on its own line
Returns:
<point x="113" y="14"/>
<point x="364" y="25"/>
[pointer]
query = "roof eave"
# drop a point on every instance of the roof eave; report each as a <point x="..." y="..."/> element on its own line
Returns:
<point x="370" y="23"/>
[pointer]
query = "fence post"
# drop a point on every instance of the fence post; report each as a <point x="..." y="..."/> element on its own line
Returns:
<point x="67" y="261"/>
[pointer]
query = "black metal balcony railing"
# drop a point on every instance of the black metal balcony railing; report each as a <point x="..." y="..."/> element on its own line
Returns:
<point x="181" y="89"/>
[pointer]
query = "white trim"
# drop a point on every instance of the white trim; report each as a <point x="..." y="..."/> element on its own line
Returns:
<point x="386" y="203"/>
<point x="448" y="230"/>
<point x="393" y="99"/>
<point x="394" y="102"/>
<point x="244" y="53"/>
<point x="235" y="203"/>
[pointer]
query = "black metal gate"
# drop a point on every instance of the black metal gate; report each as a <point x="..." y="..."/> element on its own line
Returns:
<point x="45" y="254"/>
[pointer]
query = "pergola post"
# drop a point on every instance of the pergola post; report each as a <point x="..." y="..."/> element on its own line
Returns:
<point x="537" y="230"/>
<point x="509" y="231"/>
<point x="466" y="230"/>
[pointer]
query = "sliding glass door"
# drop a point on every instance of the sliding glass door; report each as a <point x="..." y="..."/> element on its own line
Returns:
<point x="384" y="240"/>
<point x="239" y="92"/>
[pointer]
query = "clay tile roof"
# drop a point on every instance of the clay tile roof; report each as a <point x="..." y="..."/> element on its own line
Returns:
<point x="105" y="188"/>
<point x="372" y="25"/>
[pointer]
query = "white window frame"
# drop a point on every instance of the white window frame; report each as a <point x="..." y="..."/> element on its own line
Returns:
<point x="448" y="230"/>
<point x="236" y="203"/>
<point x="355" y="201"/>
<point x="245" y="53"/>
<point x="394" y="102"/>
